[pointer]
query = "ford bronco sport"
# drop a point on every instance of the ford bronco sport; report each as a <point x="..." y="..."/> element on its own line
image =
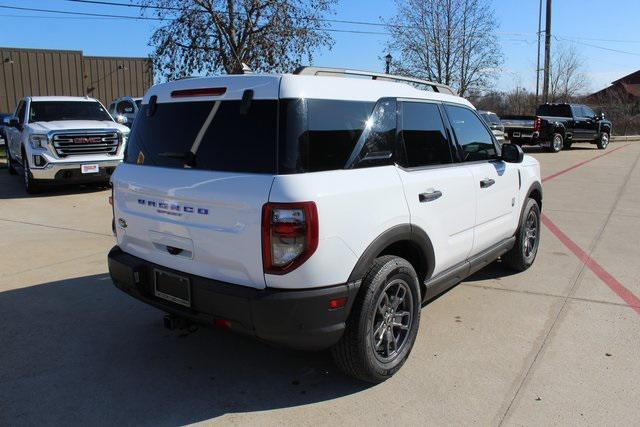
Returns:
<point x="316" y="211"/>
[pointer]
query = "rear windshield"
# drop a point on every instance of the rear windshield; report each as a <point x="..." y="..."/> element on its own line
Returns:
<point x="554" y="110"/>
<point x="51" y="111"/>
<point x="491" y="118"/>
<point x="231" y="140"/>
<point x="270" y="136"/>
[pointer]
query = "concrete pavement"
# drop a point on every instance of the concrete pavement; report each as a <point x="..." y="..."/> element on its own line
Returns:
<point x="553" y="345"/>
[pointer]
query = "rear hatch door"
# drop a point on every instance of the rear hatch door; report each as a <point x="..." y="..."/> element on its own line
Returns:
<point x="197" y="172"/>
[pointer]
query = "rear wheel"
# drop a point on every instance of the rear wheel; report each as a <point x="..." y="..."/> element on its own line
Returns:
<point x="603" y="140"/>
<point x="383" y="324"/>
<point x="524" y="252"/>
<point x="557" y="141"/>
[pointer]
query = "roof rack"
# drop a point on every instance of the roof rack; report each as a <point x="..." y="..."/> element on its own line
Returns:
<point x="418" y="83"/>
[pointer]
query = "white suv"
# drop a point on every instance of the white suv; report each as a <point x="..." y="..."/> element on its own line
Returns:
<point x="316" y="211"/>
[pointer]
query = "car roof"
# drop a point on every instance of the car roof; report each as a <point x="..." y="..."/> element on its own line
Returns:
<point x="292" y="86"/>
<point x="61" y="98"/>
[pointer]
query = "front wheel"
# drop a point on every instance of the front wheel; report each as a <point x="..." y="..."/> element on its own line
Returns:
<point x="10" y="167"/>
<point x="603" y="140"/>
<point x="383" y="324"/>
<point x="524" y="252"/>
<point x="30" y="185"/>
<point x="557" y="141"/>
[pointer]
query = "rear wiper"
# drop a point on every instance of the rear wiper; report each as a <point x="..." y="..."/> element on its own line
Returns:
<point x="188" y="157"/>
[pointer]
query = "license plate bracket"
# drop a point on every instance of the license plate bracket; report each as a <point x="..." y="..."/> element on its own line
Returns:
<point x="172" y="287"/>
<point x="89" y="168"/>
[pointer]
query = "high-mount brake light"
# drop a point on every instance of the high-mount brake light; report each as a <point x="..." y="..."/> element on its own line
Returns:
<point x="205" y="91"/>
<point x="289" y="235"/>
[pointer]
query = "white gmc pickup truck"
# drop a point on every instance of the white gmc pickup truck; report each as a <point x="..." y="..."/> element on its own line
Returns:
<point x="316" y="211"/>
<point x="61" y="139"/>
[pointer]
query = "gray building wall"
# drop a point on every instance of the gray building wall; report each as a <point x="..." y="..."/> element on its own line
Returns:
<point x="33" y="72"/>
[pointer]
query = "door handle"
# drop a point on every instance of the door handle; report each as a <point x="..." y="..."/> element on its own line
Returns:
<point x="487" y="182"/>
<point x="430" y="196"/>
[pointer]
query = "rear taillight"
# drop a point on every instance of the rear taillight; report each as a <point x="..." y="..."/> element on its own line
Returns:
<point x="537" y="124"/>
<point x="289" y="235"/>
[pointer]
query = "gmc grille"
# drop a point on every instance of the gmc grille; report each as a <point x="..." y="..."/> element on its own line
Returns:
<point x="86" y="143"/>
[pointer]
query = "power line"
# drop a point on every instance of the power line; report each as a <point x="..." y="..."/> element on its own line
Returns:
<point x="338" y="21"/>
<point x="558" y="38"/>
<point x="65" y="12"/>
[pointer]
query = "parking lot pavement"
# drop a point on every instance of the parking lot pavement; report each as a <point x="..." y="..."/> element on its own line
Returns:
<point x="557" y="344"/>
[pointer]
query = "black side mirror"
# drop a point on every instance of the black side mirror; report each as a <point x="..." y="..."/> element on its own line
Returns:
<point x="14" y="122"/>
<point x="512" y="153"/>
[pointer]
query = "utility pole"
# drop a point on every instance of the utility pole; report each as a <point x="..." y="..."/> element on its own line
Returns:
<point x="547" y="54"/>
<point x="538" y="57"/>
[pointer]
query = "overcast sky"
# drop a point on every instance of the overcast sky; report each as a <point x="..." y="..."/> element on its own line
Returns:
<point x="606" y="34"/>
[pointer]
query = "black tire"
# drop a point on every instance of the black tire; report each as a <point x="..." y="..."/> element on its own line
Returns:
<point x="524" y="252"/>
<point x="10" y="167"/>
<point x="30" y="185"/>
<point x="556" y="143"/>
<point x="357" y="354"/>
<point x="603" y="140"/>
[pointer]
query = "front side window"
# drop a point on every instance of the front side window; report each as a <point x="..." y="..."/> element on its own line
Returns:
<point x="588" y="112"/>
<point x="474" y="139"/>
<point x="20" y="111"/>
<point x="51" y="111"/>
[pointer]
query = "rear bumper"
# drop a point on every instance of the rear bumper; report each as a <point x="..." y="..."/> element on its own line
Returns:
<point x="298" y="319"/>
<point x="70" y="172"/>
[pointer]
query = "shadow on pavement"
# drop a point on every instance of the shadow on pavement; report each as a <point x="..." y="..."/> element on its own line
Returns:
<point x="495" y="270"/>
<point x="11" y="187"/>
<point x="79" y="351"/>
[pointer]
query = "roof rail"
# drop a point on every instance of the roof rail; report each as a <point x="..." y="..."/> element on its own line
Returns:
<point x="418" y="83"/>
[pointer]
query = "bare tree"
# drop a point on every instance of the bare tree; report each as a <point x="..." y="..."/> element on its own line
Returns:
<point x="567" y="74"/>
<point x="448" y="41"/>
<point x="210" y="36"/>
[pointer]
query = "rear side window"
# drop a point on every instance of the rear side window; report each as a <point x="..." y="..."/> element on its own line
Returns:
<point x="376" y="144"/>
<point x="473" y="137"/>
<point x="319" y="135"/>
<point x="423" y="135"/>
<point x="234" y="141"/>
<point x="554" y="110"/>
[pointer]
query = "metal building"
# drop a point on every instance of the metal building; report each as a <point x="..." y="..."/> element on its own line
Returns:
<point x="32" y="72"/>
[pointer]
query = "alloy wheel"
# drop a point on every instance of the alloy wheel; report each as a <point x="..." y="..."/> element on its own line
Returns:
<point x="530" y="234"/>
<point x="392" y="320"/>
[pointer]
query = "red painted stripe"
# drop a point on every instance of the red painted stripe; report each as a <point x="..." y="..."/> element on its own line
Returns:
<point x="582" y="163"/>
<point x="613" y="284"/>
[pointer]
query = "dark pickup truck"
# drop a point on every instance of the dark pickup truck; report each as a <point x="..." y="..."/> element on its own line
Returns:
<point x="557" y="126"/>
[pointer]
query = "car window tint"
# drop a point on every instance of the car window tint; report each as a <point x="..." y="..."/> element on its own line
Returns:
<point x="473" y="137"/>
<point x="588" y="112"/>
<point x="20" y="111"/>
<point x="377" y="142"/>
<point x="423" y="134"/>
<point x="234" y="141"/>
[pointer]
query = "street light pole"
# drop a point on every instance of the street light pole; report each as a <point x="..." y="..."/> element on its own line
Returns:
<point x="387" y="60"/>
<point x="547" y="54"/>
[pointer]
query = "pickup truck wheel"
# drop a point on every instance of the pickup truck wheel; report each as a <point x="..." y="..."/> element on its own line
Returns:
<point x="603" y="140"/>
<point x="383" y="323"/>
<point x="10" y="167"/>
<point x="556" y="143"/>
<point x="29" y="184"/>
<point x="524" y="252"/>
